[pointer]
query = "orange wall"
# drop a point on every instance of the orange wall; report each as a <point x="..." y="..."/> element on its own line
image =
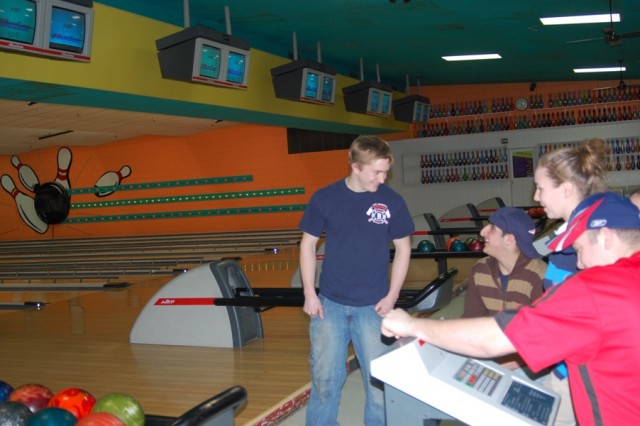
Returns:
<point x="259" y="152"/>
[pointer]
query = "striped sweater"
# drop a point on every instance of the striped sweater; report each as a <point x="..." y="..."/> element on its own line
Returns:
<point x="484" y="296"/>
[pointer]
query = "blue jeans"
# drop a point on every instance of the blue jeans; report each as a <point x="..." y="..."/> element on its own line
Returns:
<point x="330" y="339"/>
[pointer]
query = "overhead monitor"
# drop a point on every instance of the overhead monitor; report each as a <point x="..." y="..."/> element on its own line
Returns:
<point x="305" y="81"/>
<point x="20" y="25"/>
<point x="412" y="109"/>
<point x="56" y="28"/>
<point x="68" y="30"/>
<point x="202" y="55"/>
<point x="368" y="98"/>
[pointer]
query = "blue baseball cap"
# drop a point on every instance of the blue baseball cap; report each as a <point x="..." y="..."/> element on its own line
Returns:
<point x="602" y="210"/>
<point x="515" y="221"/>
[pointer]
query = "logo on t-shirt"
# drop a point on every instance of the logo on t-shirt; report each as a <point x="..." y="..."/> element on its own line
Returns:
<point x="378" y="213"/>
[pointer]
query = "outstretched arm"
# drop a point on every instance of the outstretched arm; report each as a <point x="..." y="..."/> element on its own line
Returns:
<point x="476" y="337"/>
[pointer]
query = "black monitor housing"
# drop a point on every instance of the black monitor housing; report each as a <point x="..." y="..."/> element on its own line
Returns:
<point x="305" y="81"/>
<point x="368" y="97"/>
<point x="412" y="109"/>
<point x="202" y="55"/>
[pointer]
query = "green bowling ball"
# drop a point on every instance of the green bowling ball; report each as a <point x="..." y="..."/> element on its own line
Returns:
<point x="426" y="246"/>
<point x="123" y="406"/>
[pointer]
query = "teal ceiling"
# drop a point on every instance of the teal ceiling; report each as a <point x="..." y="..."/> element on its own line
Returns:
<point x="408" y="38"/>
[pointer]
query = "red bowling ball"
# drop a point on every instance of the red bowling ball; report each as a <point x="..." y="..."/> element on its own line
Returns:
<point x="32" y="395"/>
<point x="476" y="245"/>
<point x="77" y="401"/>
<point x="100" y="419"/>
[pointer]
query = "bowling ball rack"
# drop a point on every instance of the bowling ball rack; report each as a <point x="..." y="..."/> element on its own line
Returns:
<point x="262" y="299"/>
<point x="216" y="411"/>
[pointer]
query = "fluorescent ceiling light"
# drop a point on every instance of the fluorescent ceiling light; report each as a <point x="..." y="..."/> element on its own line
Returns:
<point x="472" y="57"/>
<point x="580" y="19"/>
<point x="607" y="69"/>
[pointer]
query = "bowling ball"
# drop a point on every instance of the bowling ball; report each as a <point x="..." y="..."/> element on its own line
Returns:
<point x="14" y="414"/>
<point x="125" y="407"/>
<point x="52" y="416"/>
<point x="52" y="202"/>
<point x="476" y="245"/>
<point x="458" y="246"/>
<point x="426" y="246"/>
<point x="450" y="242"/>
<point x="5" y="390"/>
<point x="32" y="395"/>
<point x="100" y="419"/>
<point x="77" y="401"/>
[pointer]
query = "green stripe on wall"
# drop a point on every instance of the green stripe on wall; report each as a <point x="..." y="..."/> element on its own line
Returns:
<point x="190" y="198"/>
<point x="166" y="184"/>
<point x="291" y="208"/>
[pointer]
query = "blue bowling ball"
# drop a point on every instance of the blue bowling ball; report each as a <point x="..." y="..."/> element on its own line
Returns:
<point x="458" y="246"/>
<point x="426" y="246"/>
<point x="5" y="390"/>
<point x="52" y="416"/>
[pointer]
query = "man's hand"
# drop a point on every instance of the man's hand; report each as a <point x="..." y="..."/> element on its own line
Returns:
<point x="385" y="305"/>
<point x="397" y="323"/>
<point x="313" y="306"/>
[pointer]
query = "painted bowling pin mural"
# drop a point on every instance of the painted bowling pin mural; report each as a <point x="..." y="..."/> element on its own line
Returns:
<point x="42" y="205"/>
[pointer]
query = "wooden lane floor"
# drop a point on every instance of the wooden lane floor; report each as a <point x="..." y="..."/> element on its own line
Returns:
<point x="81" y="339"/>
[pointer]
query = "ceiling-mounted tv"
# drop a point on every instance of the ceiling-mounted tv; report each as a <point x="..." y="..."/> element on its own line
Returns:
<point x="21" y="25"/>
<point x="57" y="28"/>
<point x="202" y="55"/>
<point x="368" y="98"/>
<point x="412" y="109"/>
<point x="306" y="81"/>
<point x="68" y="29"/>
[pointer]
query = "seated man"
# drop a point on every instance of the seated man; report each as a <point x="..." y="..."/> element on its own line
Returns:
<point x="512" y="273"/>
<point x="591" y="321"/>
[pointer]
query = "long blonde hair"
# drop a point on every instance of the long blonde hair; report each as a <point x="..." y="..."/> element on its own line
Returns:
<point x="585" y="166"/>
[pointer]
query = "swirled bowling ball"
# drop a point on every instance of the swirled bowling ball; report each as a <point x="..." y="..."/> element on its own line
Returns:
<point x="32" y="395"/>
<point x="77" y="401"/>
<point x="5" y="390"/>
<point x="14" y="414"/>
<point x="425" y="246"/>
<point x="52" y="416"/>
<point x="100" y="419"/>
<point x="125" y="407"/>
<point x="459" y="246"/>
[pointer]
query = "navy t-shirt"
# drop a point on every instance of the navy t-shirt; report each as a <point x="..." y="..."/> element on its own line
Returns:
<point x="359" y="229"/>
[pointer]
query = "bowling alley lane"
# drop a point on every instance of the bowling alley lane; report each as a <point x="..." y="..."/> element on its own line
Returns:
<point x="81" y="339"/>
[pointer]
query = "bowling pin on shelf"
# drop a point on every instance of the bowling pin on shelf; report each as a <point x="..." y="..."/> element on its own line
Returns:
<point x="64" y="163"/>
<point x="108" y="182"/>
<point x="26" y="206"/>
<point x="26" y="174"/>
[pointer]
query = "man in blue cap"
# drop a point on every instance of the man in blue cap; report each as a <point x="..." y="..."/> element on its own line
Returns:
<point x="591" y="321"/>
<point x="512" y="273"/>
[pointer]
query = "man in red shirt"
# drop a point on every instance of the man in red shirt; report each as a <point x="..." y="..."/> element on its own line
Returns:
<point x="591" y="321"/>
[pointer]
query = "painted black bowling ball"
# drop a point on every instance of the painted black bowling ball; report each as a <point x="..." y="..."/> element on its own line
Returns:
<point x="426" y="246"/>
<point x="458" y="246"/>
<point x="52" y="202"/>
<point x="14" y="414"/>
